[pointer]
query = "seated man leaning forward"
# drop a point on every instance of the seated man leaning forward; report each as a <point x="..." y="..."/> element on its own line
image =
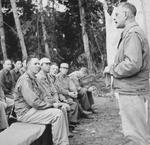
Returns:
<point x="50" y="90"/>
<point x="30" y="106"/>
<point x="73" y="112"/>
<point x="68" y="89"/>
<point x="84" y="93"/>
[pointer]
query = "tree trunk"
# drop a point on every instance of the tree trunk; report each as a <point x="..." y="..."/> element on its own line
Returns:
<point x="53" y="22"/>
<point x="18" y="26"/>
<point x="85" y="36"/>
<point x="47" y="53"/>
<point x="2" y="34"/>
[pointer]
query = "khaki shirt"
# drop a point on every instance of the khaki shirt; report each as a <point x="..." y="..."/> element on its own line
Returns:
<point x="6" y="82"/>
<point x="65" y="84"/>
<point x="48" y="86"/>
<point x="75" y="76"/>
<point x="29" y="94"/>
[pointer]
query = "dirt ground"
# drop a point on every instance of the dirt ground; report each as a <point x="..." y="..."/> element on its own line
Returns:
<point x="104" y="129"/>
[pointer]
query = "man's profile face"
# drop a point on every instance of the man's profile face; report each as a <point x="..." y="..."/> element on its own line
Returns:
<point x="45" y="67"/>
<point x="7" y="65"/>
<point x="34" y="65"/>
<point x="119" y="17"/>
<point x="53" y="70"/>
<point x="64" y="70"/>
<point x="18" y="65"/>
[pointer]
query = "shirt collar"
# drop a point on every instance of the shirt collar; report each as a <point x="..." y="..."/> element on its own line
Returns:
<point x="43" y="74"/>
<point x="63" y="75"/>
<point x="51" y="76"/>
<point x="16" y="70"/>
<point x="30" y="75"/>
<point x="6" y="71"/>
<point x="128" y="27"/>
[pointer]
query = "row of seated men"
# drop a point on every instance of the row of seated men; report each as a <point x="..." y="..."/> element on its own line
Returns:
<point x="41" y="93"/>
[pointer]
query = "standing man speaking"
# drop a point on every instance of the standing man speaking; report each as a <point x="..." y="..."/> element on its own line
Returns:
<point x="131" y="76"/>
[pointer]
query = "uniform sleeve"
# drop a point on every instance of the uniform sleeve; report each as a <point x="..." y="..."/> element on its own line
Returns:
<point x="31" y="98"/>
<point x="2" y="95"/>
<point x="72" y="86"/>
<point x="60" y="88"/>
<point x="132" y="62"/>
<point x="75" y="81"/>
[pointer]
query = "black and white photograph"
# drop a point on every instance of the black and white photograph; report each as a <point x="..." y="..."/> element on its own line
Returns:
<point x="74" y="72"/>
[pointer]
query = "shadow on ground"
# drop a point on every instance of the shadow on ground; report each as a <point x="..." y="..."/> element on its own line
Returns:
<point x="104" y="129"/>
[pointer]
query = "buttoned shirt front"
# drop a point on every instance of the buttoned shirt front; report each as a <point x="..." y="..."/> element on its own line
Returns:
<point x="48" y="86"/>
<point x="65" y="84"/>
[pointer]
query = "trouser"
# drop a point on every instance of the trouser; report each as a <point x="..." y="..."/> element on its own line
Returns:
<point x="135" y="115"/>
<point x="90" y="97"/>
<point x="85" y="99"/>
<point x="81" y="111"/>
<point x="73" y="113"/>
<point x="51" y="116"/>
<point x="3" y="117"/>
<point x="64" y="110"/>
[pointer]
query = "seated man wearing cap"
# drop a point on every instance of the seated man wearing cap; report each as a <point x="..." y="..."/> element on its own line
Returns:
<point x="84" y="93"/>
<point x="49" y="88"/>
<point x="73" y="113"/>
<point x="67" y="88"/>
<point x="31" y="107"/>
<point x="6" y="86"/>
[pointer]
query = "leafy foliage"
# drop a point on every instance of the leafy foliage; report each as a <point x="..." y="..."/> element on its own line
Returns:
<point x="64" y="35"/>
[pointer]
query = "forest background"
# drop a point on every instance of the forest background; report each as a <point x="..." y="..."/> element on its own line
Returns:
<point x="71" y="31"/>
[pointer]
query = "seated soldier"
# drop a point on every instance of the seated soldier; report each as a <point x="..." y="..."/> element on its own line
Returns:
<point x="67" y="88"/>
<point x="15" y="73"/>
<point x="6" y="79"/>
<point x="31" y="107"/>
<point x="50" y="90"/>
<point x="6" y="86"/>
<point x="3" y="117"/>
<point x="73" y="113"/>
<point x="84" y="93"/>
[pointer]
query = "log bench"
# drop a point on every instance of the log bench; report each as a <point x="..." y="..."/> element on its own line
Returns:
<point x="26" y="134"/>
